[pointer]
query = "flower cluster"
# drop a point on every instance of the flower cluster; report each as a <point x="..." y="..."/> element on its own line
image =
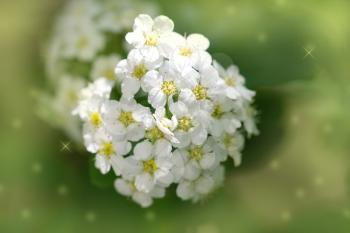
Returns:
<point x="179" y="116"/>
<point x="86" y="43"/>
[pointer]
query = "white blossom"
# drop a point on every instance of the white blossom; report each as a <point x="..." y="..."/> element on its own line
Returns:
<point x="152" y="165"/>
<point x="199" y="188"/>
<point x="134" y="70"/>
<point x="174" y="118"/>
<point x="124" y="118"/>
<point x="103" y="67"/>
<point x="128" y="188"/>
<point x="108" y="150"/>
<point x="234" y="83"/>
<point x="83" y="43"/>
<point x="152" y="37"/>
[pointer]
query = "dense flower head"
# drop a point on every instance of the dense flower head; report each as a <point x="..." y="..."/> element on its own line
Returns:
<point x="85" y="45"/>
<point x="179" y="117"/>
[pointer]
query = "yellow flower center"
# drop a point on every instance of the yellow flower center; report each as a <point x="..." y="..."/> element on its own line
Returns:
<point x="200" y="92"/>
<point x="126" y="118"/>
<point x="107" y="149"/>
<point x="150" y="166"/>
<point x="168" y="87"/>
<point x="133" y="185"/>
<point x="152" y="39"/>
<point x="72" y="96"/>
<point x="228" y="140"/>
<point x="139" y="71"/>
<point x="230" y="82"/>
<point x="154" y="134"/>
<point x="217" y="112"/>
<point x="83" y="42"/>
<point x="185" y="124"/>
<point x="196" y="153"/>
<point x="185" y="51"/>
<point x="109" y="74"/>
<point x="95" y="119"/>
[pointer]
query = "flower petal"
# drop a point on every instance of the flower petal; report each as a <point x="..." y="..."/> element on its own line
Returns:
<point x="123" y="187"/>
<point x="130" y="87"/>
<point x="102" y="164"/>
<point x="198" y="41"/>
<point x="143" y="23"/>
<point x="143" y="150"/>
<point x="185" y="190"/>
<point x="144" y="182"/>
<point x="207" y="161"/>
<point x="162" y="148"/>
<point x="192" y="171"/>
<point x="143" y="199"/>
<point x="204" y="185"/>
<point x="163" y="24"/>
<point x="157" y="98"/>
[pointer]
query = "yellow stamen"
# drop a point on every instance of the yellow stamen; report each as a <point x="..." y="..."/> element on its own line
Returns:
<point x="230" y="82"/>
<point x="126" y="118"/>
<point x="107" y="149"/>
<point x="228" y="140"/>
<point x="82" y="42"/>
<point x="95" y="119"/>
<point x="72" y="96"/>
<point x="139" y="71"/>
<point x="217" y="112"/>
<point x="150" y="166"/>
<point x="154" y="134"/>
<point x="185" y="124"/>
<point x="109" y="74"/>
<point x="169" y="88"/>
<point x="196" y="153"/>
<point x="185" y="51"/>
<point x="200" y="92"/>
<point x="133" y="185"/>
<point x="152" y="39"/>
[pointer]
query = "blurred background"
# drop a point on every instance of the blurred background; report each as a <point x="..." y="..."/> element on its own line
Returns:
<point x="294" y="177"/>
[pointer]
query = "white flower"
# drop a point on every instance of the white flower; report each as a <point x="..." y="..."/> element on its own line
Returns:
<point x="223" y="118"/>
<point x="191" y="127"/>
<point x="128" y="188"/>
<point x="234" y="83"/>
<point x="91" y="98"/>
<point x="200" y="92"/>
<point x="197" y="158"/>
<point x="165" y="125"/>
<point x="124" y="119"/>
<point x="65" y="101"/>
<point x="233" y="144"/>
<point x="103" y="67"/>
<point x="119" y="15"/>
<point x="56" y="109"/>
<point x="83" y="43"/>
<point x="178" y="168"/>
<point x="202" y="186"/>
<point x="134" y="70"/>
<point x="82" y="9"/>
<point x="160" y="89"/>
<point x="249" y="121"/>
<point x="108" y="150"/>
<point x="175" y="118"/>
<point x="154" y="37"/>
<point x="189" y="51"/>
<point x="153" y="163"/>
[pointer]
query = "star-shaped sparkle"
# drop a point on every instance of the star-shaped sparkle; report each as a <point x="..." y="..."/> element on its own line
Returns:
<point x="65" y="146"/>
<point x="308" y="52"/>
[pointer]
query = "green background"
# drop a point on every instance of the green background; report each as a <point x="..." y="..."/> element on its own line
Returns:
<point x="294" y="177"/>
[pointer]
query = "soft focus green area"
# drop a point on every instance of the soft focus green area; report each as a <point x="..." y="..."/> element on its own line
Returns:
<point x="295" y="175"/>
